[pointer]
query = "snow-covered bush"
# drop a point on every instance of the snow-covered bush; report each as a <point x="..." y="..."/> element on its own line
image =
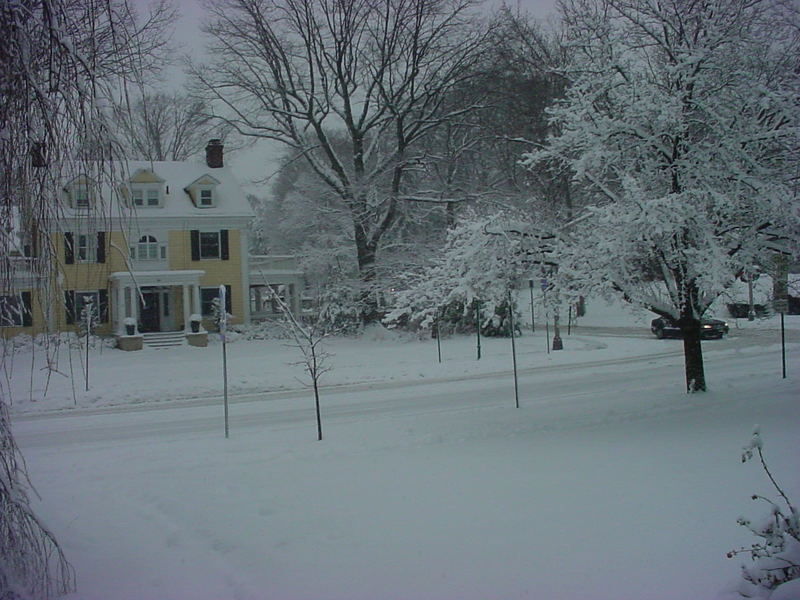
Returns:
<point x="481" y="263"/>
<point x="776" y="554"/>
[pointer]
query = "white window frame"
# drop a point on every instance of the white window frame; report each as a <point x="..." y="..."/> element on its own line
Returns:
<point x="147" y="195"/>
<point x="85" y="247"/>
<point x="212" y="197"/>
<point x="148" y="249"/>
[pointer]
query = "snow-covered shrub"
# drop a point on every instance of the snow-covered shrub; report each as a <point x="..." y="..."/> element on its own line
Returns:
<point x="339" y="309"/>
<point x="776" y="554"/>
<point x="480" y="264"/>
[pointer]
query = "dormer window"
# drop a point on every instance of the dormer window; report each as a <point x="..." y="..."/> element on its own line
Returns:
<point x="80" y="192"/>
<point x="203" y="192"/>
<point x="80" y="195"/>
<point x="146" y="196"/>
<point x="146" y="189"/>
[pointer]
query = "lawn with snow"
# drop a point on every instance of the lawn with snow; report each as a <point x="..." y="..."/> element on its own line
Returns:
<point x="608" y="483"/>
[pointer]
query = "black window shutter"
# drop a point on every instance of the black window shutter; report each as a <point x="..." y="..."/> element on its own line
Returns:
<point x="228" y="300"/>
<point x="195" y="244"/>
<point x="223" y="244"/>
<point x="69" y="306"/>
<point x="102" y="310"/>
<point x="101" y="246"/>
<point x="69" y="249"/>
<point x="27" y="310"/>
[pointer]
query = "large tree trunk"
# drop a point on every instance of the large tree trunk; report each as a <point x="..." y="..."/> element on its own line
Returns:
<point x="693" y="355"/>
<point x="366" y="268"/>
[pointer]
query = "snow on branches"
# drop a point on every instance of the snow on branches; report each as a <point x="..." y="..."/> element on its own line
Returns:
<point x="483" y="259"/>
<point x="680" y="124"/>
<point x="776" y="555"/>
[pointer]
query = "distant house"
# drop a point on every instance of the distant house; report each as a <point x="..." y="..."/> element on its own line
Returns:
<point x="148" y="253"/>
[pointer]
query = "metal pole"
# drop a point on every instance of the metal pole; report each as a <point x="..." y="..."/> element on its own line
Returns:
<point x="225" y="381"/>
<point x="223" y="326"/>
<point x="478" y="325"/>
<point x="569" y="320"/>
<point x="751" y="311"/>
<point x="783" y="348"/>
<point x="439" y="333"/>
<point x="513" y="351"/>
<point x="530" y="285"/>
<point x="547" y="331"/>
<point x="88" y="312"/>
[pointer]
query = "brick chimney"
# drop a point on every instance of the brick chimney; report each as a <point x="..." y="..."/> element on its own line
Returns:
<point x="214" y="154"/>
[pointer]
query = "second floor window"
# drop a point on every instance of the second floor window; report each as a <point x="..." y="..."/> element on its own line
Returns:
<point x="86" y="247"/>
<point x="148" y="248"/>
<point x="209" y="244"/>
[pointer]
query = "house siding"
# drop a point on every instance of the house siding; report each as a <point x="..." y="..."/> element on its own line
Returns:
<point x="89" y="276"/>
<point x="217" y="272"/>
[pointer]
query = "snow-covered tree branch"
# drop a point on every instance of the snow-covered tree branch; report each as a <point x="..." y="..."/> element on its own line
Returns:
<point x="681" y="121"/>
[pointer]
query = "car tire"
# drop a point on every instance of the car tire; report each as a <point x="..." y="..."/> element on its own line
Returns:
<point x="659" y="333"/>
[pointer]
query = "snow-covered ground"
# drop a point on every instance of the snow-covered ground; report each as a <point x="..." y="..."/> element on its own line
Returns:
<point x="608" y="482"/>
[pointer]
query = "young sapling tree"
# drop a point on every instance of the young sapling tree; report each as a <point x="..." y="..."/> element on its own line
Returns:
<point x="308" y="338"/>
<point x="776" y="556"/>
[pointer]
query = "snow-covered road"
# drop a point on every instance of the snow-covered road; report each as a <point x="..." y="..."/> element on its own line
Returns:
<point x="608" y="483"/>
<point x="568" y="384"/>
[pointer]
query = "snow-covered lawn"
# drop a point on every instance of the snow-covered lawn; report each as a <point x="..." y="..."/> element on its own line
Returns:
<point x="608" y="483"/>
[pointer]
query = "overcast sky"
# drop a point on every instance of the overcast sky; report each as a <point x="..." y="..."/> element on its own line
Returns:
<point x="260" y="162"/>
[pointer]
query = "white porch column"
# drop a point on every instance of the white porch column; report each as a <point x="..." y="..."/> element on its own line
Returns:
<point x="135" y="305"/>
<point x="197" y="305"/>
<point x="119" y="296"/>
<point x="187" y="310"/>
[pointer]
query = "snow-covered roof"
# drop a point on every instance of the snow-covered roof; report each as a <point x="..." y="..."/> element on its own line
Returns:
<point x="177" y="177"/>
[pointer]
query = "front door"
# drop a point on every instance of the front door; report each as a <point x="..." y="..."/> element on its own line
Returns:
<point x="150" y="312"/>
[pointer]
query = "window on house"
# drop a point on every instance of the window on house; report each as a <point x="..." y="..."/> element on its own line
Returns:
<point x="14" y="311"/>
<point x="77" y="301"/>
<point x="148" y="248"/>
<point x="80" y="195"/>
<point x="146" y="196"/>
<point x="86" y="247"/>
<point x="209" y="244"/>
<point x="208" y="295"/>
<point x="82" y="302"/>
<point x="206" y="197"/>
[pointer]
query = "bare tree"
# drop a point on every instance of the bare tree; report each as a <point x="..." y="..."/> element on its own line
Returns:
<point x="296" y="71"/>
<point x="61" y="61"/>
<point x="162" y="126"/>
<point x="308" y="338"/>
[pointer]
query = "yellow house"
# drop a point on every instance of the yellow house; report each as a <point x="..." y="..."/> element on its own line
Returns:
<point x="149" y="265"/>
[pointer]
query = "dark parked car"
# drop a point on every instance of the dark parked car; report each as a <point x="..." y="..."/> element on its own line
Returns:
<point x="711" y="329"/>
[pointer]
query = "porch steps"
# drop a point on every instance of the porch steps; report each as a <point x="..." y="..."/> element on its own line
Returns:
<point x="164" y="339"/>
